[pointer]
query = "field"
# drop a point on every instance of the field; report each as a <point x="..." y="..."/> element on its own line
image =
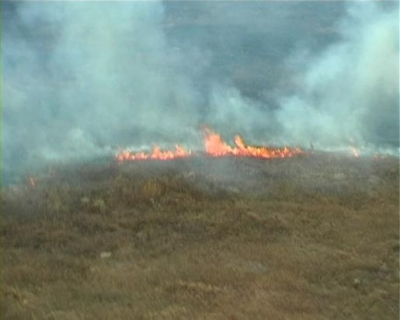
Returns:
<point x="309" y="237"/>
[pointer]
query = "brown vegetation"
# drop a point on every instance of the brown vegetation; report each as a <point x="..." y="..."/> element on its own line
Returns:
<point x="311" y="237"/>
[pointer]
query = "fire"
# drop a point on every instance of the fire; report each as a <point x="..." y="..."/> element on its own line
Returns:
<point x="157" y="153"/>
<point x="214" y="146"/>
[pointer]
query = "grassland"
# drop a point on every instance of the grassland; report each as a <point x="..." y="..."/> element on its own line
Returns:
<point x="311" y="237"/>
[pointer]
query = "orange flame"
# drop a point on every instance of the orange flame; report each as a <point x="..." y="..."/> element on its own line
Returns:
<point x="214" y="146"/>
<point x="157" y="153"/>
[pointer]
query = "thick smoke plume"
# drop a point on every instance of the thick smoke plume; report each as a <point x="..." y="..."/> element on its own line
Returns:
<point x="81" y="79"/>
<point x="96" y="75"/>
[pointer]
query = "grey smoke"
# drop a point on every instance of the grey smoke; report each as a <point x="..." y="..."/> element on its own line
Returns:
<point x="81" y="79"/>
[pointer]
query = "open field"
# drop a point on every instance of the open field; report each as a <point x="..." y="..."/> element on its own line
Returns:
<point x="311" y="237"/>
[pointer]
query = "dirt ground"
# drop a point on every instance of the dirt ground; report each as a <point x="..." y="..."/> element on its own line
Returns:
<point x="310" y="237"/>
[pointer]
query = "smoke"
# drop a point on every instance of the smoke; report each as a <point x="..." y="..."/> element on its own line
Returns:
<point x="82" y="76"/>
<point x="81" y="79"/>
<point x="349" y="91"/>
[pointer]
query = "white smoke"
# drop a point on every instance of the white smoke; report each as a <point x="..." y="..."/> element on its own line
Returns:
<point x="350" y="91"/>
<point x="84" y="78"/>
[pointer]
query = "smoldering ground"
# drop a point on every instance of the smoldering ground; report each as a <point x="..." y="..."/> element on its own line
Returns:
<point x="83" y="78"/>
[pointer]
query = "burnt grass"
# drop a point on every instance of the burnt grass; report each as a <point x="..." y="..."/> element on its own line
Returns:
<point x="310" y="237"/>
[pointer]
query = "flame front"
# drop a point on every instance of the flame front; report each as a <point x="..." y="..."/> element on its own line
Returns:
<point x="214" y="146"/>
<point x="157" y="153"/>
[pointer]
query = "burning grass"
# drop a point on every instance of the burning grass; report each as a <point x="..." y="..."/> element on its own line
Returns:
<point x="310" y="237"/>
<point x="214" y="146"/>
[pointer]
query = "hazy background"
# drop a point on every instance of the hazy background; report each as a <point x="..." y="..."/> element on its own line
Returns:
<point x="81" y="79"/>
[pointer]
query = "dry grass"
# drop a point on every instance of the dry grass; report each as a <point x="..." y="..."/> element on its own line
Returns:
<point x="314" y="237"/>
